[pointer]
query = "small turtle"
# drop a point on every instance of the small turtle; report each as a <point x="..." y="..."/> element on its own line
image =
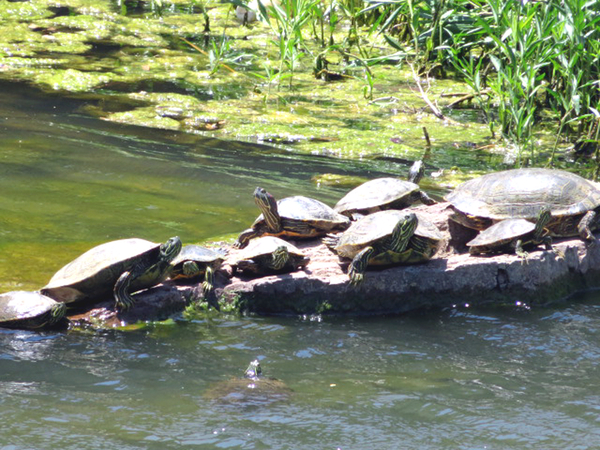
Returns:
<point x="270" y="254"/>
<point x="384" y="193"/>
<point x="31" y="310"/>
<point x="522" y="193"/>
<point x="195" y="261"/>
<point x="120" y="267"/>
<point x="512" y="235"/>
<point x="253" y="389"/>
<point x="386" y="238"/>
<point x="298" y="216"/>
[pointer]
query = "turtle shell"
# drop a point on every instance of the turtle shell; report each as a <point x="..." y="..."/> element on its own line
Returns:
<point x="256" y="255"/>
<point x="521" y="193"/>
<point x="23" y="309"/>
<point x="198" y="254"/>
<point x="307" y="210"/>
<point x="502" y="233"/>
<point x="94" y="274"/>
<point x="378" y="194"/>
<point x="380" y="225"/>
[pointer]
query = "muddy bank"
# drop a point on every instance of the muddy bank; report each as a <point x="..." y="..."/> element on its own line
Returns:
<point x="451" y="278"/>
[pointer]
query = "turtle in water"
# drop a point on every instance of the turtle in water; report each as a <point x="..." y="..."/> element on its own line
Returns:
<point x="298" y="216"/>
<point x="195" y="261"/>
<point x="270" y="254"/>
<point x="512" y="235"/>
<point x="30" y="310"/>
<point x="380" y="194"/>
<point x="253" y="389"/>
<point x="386" y="238"/>
<point x="522" y="193"/>
<point x="119" y="267"/>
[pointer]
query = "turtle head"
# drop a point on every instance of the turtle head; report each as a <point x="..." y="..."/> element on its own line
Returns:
<point x="416" y="172"/>
<point x="403" y="231"/>
<point x="281" y="256"/>
<point x="57" y="312"/>
<point x="253" y="370"/>
<point x="170" y="249"/>
<point x="268" y="206"/>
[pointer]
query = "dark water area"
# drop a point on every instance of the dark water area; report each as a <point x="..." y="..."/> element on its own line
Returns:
<point x="494" y="378"/>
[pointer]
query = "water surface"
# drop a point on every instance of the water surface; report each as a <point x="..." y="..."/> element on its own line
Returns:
<point x="457" y="379"/>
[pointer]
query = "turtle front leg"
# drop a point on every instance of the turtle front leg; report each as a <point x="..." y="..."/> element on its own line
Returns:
<point x="426" y="199"/>
<point x="123" y="299"/>
<point x="584" y="227"/>
<point x="358" y="266"/>
<point x="208" y="284"/>
<point x="520" y="252"/>
<point x="245" y="237"/>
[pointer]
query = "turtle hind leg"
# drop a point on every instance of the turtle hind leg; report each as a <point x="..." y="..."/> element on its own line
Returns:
<point x="584" y="227"/>
<point x="358" y="266"/>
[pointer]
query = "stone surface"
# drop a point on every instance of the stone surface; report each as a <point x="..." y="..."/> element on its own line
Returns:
<point x="452" y="277"/>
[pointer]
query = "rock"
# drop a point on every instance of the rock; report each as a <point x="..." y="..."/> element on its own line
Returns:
<point x="451" y="278"/>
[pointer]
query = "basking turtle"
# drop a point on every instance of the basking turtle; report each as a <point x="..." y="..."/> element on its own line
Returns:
<point x="195" y="261"/>
<point x="120" y="267"/>
<point x="269" y="254"/>
<point x="522" y="193"/>
<point x="253" y="389"/>
<point x="298" y="216"/>
<point x="386" y="238"/>
<point x="384" y="193"/>
<point x="31" y="310"/>
<point x="512" y="235"/>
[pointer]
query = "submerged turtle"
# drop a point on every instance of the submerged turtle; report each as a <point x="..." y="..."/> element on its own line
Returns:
<point x="120" y="267"/>
<point x="386" y="238"/>
<point x="512" y="235"/>
<point x="253" y="389"/>
<point x="269" y="254"/>
<point x="298" y="216"/>
<point x="384" y="193"/>
<point x="195" y="261"/>
<point x="31" y="310"/>
<point x="522" y="193"/>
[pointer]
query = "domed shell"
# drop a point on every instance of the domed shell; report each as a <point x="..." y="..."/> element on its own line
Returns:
<point x="95" y="272"/>
<point x="266" y="245"/>
<point x="521" y="193"/>
<point x="308" y="210"/>
<point x="29" y="309"/>
<point x="197" y="253"/>
<point x="378" y="194"/>
<point x="377" y="226"/>
<point x="502" y="232"/>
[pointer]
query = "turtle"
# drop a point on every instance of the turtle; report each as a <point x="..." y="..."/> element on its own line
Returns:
<point x="298" y="216"/>
<point x="512" y="235"/>
<point x="119" y="267"/>
<point x="195" y="261"/>
<point x="386" y="238"/>
<point x="253" y="389"/>
<point x="270" y="254"/>
<point x="380" y="194"/>
<point x="522" y="193"/>
<point x="30" y="310"/>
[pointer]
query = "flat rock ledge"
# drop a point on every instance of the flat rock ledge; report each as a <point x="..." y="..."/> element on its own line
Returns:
<point x="452" y="277"/>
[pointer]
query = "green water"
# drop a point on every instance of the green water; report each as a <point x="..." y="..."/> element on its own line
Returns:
<point x="460" y="379"/>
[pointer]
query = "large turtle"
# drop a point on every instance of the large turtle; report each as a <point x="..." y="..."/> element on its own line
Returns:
<point x="380" y="194"/>
<point x="522" y="193"/>
<point x="386" y="238"/>
<point x="195" y="261"/>
<point x="119" y="267"/>
<point x="253" y="389"/>
<point x="298" y="216"/>
<point x="270" y="254"/>
<point x="31" y="310"/>
<point x="512" y="235"/>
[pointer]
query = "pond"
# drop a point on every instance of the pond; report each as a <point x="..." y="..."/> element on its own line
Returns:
<point x="472" y="379"/>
